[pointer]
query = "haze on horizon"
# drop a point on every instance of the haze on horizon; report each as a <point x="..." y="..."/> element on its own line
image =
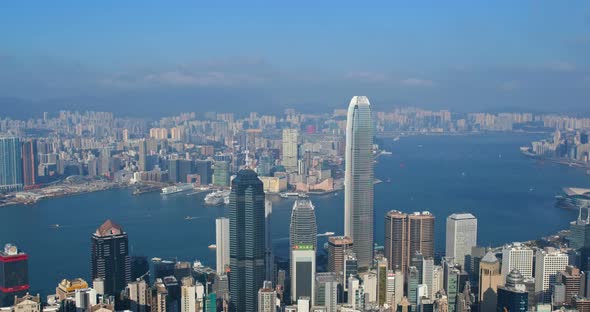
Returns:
<point x="153" y="58"/>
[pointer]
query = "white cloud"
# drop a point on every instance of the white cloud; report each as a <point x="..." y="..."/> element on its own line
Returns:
<point x="417" y="82"/>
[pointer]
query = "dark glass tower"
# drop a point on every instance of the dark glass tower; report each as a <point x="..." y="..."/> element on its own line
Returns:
<point x="110" y="257"/>
<point x="14" y="274"/>
<point x="30" y="162"/>
<point x="247" y="228"/>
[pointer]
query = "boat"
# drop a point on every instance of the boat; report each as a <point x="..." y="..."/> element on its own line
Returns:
<point x="326" y="234"/>
<point x="290" y="194"/>
<point x="396" y="139"/>
<point x="55" y="226"/>
<point x="189" y="218"/>
<point x="217" y="198"/>
<point x="177" y="189"/>
<point x="212" y="246"/>
<point x="386" y="153"/>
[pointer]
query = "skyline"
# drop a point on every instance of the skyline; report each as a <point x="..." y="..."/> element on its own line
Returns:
<point x="150" y="57"/>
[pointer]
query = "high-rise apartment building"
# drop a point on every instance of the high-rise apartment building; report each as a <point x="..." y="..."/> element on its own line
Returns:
<point x="247" y="240"/>
<point x="11" y="170"/>
<point x="267" y="297"/>
<point x="222" y="245"/>
<point x="461" y="236"/>
<point x="358" y="180"/>
<point x="30" y="162"/>
<point x="110" y="257"/>
<point x="548" y="262"/>
<point x="138" y="294"/>
<point x="290" y="149"/>
<point x="406" y="235"/>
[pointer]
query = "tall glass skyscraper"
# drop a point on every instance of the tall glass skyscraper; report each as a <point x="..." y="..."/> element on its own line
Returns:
<point x="358" y="180"/>
<point x="11" y="166"/>
<point x="303" y="224"/>
<point x="247" y="240"/>
<point x="303" y="241"/>
<point x="110" y="257"/>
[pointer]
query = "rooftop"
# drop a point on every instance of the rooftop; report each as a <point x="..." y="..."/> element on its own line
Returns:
<point x="109" y="228"/>
<point x="461" y="216"/>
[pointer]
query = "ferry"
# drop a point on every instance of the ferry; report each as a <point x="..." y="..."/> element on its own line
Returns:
<point x="55" y="226"/>
<point x="386" y="153"/>
<point x="189" y="218"/>
<point x="177" y="189"/>
<point x="293" y="194"/>
<point x="212" y="246"/>
<point x="326" y="234"/>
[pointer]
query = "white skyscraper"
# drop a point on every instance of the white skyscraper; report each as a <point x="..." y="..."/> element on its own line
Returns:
<point x="222" y="243"/>
<point x="517" y="256"/>
<point x="428" y="275"/>
<point x="188" y="295"/>
<point x="358" y="179"/>
<point x="461" y="236"/>
<point x="302" y="272"/>
<point x="268" y="254"/>
<point x="395" y="287"/>
<point x="547" y="263"/>
<point x="290" y="150"/>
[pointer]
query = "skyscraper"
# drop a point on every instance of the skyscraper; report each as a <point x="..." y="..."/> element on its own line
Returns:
<point x="290" y="150"/>
<point x="267" y="297"/>
<point x="11" y="170"/>
<point x="461" y="236"/>
<point x="303" y="229"/>
<point x="303" y="242"/>
<point x="489" y="279"/>
<point x="14" y="274"/>
<point x="548" y="262"/>
<point x="326" y="291"/>
<point x="268" y="253"/>
<point x="517" y="256"/>
<point x="337" y="246"/>
<point x="358" y="179"/>
<point x="406" y="235"/>
<point x="30" y="162"/>
<point x="110" y="257"/>
<point x="222" y="245"/>
<point x="221" y="173"/>
<point x="247" y="240"/>
<point x="142" y="164"/>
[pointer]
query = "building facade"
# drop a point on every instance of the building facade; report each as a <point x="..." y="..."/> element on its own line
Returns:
<point x="110" y="257"/>
<point x="461" y="236"/>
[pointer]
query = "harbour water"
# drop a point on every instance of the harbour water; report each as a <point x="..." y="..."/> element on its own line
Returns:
<point x="511" y="195"/>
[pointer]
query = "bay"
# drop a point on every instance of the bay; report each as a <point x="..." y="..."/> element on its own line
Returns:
<point x="511" y="195"/>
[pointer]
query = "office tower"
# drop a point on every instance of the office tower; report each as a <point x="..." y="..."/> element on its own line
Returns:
<point x="571" y="279"/>
<point x="303" y="230"/>
<point x="204" y="170"/>
<point x="211" y="303"/>
<point x="140" y="268"/>
<point x="395" y="287"/>
<point x="428" y="276"/>
<point x="472" y="265"/>
<point x="513" y="296"/>
<point x="142" y="153"/>
<point x="163" y="268"/>
<point x="350" y="267"/>
<point x="356" y="294"/>
<point x="326" y="293"/>
<point x="358" y="180"/>
<point x="269" y="259"/>
<point x="381" y="269"/>
<point x="247" y="240"/>
<point x="517" y="256"/>
<point x="548" y="262"/>
<point x="407" y="234"/>
<point x="489" y="279"/>
<point x="110" y="257"/>
<point x="174" y="294"/>
<point x="579" y="238"/>
<point x="302" y="272"/>
<point x="137" y="292"/>
<point x="413" y="282"/>
<point x="11" y="170"/>
<point x="183" y="269"/>
<point x="369" y="280"/>
<point x="290" y="149"/>
<point x="85" y="299"/>
<point x="451" y="283"/>
<point x="461" y="236"/>
<point x="465" y="300"/>
<point x="14" y="274"/>
<point x="267" y="298"/>
<point x="222" y="245"/>
<point x="188" y="302"/>
<point x="179" y="169"/>
<point x="337" y="245"/>
<point x="30" y="162"/>
<point x="221" y="173"/>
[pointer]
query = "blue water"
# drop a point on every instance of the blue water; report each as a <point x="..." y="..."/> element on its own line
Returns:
<point x="512" y="196"/>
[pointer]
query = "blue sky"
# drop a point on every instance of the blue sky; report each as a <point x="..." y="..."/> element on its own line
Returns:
<point x="461" y="55"/>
